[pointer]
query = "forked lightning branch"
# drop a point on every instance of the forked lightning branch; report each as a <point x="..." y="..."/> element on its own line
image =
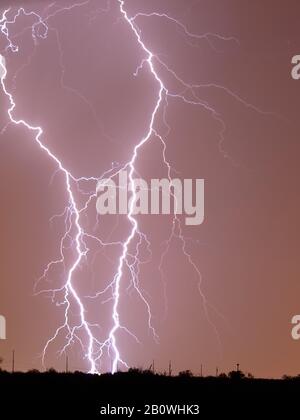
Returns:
<point x="128" y="195"/>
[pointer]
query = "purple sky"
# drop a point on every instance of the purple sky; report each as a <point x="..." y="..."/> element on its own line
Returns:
<point x="78" y="84"/>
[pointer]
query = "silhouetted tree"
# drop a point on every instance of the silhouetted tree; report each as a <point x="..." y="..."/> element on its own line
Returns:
<point x="33" y="371"/>
<point x="135" y="370"/>
<point x="185" y="373"/>
<point x="140" y="371"/>
<point x="51" y="370"/>
<point x="236" y="375"/>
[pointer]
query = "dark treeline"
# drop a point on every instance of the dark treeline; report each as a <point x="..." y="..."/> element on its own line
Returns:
<point x="86" y="392"/>
<point x="56" y="385"/>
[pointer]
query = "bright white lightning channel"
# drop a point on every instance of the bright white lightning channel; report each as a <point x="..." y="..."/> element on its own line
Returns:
<point x="94" y="348"/>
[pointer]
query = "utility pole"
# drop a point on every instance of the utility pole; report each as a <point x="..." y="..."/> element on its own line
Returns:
<point x="67" y="364"/>
<point x="217" y="371"/>
<point x="13" y="362"/>
<point x="153" y="366"/>
<point x="201" y="373"/>
<point x="170" y="368"/>
<point x="237" y="367"/>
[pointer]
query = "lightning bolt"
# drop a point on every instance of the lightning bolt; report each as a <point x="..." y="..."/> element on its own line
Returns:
<point x="75" y="236"/>
<point x="72" y="209"/>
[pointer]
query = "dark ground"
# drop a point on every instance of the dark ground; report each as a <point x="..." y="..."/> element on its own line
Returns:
<point x="82" y="394"/>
